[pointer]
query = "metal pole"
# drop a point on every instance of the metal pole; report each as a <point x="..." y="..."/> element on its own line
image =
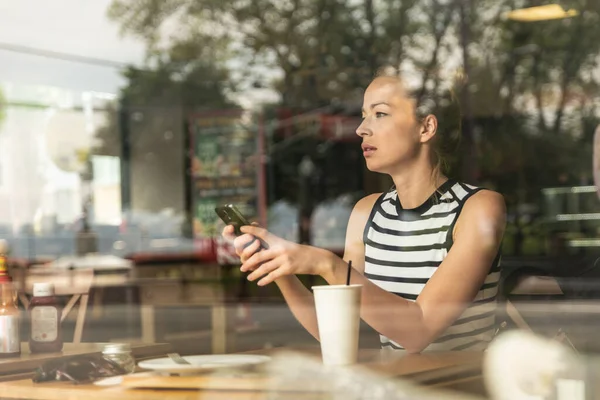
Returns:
<point x="188" y="183"/>
<point x="262" y="187"/>
<point x="470" y="168"/>
<point x="125" y="134"/>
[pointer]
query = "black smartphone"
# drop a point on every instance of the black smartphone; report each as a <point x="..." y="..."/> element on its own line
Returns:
<point x="230" y="215"/>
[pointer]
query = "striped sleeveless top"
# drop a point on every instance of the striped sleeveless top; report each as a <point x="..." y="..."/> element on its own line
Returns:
<point x="403" y="249"/>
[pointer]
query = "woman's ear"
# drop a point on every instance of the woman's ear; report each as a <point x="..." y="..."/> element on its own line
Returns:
<point x="428" y="128"/>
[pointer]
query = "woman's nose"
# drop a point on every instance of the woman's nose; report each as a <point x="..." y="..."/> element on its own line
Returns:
<point x="363" y="129"/>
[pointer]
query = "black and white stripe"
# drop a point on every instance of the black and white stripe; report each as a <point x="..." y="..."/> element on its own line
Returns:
<point x="403" y="249"/>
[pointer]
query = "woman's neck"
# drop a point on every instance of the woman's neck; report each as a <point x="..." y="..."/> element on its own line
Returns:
<point x="416" y="185"/>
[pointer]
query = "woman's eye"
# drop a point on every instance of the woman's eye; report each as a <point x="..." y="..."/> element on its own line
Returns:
<point x="380" y="114"/>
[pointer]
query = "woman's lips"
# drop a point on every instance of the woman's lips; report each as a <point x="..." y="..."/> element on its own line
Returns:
<point x="368" y="150"/>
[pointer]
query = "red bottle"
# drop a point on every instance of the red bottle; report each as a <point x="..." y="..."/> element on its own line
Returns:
<point x="45" y="313"/>
<point x="10" y="340"/>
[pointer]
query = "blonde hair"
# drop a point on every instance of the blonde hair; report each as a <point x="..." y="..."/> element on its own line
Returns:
<point x="446" y="108"/>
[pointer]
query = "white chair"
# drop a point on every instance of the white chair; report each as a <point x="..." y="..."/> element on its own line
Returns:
<point x="533" y="285"/>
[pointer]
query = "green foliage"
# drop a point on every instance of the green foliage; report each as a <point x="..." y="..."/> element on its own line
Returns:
<point x="182" y="81"/>
<point x="2" y="107"/>
<point x="203" y="86"/>
<point x="327" y="50"/>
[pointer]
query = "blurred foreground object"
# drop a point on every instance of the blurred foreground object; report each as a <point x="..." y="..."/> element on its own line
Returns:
<point x="520" y="365"/>
<point x="292" y="370"/>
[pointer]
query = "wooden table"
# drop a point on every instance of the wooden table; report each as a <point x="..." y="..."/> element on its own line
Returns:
<point x="23" y="366"/>
<point x="430" y="368"/>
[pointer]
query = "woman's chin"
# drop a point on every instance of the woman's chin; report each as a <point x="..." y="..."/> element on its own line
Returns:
<point x="375" y="167"/>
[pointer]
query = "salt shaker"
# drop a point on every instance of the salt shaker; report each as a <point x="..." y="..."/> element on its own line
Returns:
<point x="120" y="353"/>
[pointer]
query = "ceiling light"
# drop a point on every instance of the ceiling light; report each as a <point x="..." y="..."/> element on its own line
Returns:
<point x="540" y="13"/>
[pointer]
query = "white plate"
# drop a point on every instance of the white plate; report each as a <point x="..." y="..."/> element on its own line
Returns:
<point x="203" y="362"/>
<point x="110" y="381"/>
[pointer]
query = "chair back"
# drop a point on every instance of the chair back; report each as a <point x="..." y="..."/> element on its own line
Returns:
<point x="66" y="282"/>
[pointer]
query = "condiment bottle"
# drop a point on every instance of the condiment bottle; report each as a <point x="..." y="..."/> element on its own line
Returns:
<point x="46" y="336"/>
<point x="10" y="340"/>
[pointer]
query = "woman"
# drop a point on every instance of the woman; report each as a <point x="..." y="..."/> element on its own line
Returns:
<point x="426" y="251"/>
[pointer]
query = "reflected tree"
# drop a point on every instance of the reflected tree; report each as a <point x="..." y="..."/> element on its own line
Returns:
<point x="313" y="52"/>
<point x="180" y="82"/>
<point x="540" y="74"/>
<point x="146" y="129"/>
<point x="537" y="103"/>
<point x="327" y="50"/>
<point x="531" y="94"/>
<point x="2" y="107"/>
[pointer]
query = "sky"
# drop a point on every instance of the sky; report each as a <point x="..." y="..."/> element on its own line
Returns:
<point x="74" y="27"/>
<point x="31" y="183"/>
<point x="77" y="27"/>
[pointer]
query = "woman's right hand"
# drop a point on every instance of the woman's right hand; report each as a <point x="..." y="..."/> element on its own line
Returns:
<point x="245" y="245"/>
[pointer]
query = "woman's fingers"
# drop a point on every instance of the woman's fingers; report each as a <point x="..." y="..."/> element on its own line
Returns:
<point x="249" y="250"/>
<point x="258" y="232"/>
<point x="257" y="259"/>
<point x="228" y="232"/>
<point x="246" y="244"/>
<point x="274" y="275"/>
<point x="241" y="242"/>
<point x="264" y="269"/>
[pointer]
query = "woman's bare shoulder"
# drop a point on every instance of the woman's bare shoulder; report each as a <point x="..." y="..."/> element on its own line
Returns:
<point x="366" y="203"/>
<point x="484" y="210"/>
<point x="487" y="202"/>
<point x="361" y="212"/>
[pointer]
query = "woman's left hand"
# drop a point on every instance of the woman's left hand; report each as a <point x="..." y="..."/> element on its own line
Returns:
<point x="283" y="258"/>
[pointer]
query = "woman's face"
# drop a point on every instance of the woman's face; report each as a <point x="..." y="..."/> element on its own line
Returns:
<point x="389" y="130"/>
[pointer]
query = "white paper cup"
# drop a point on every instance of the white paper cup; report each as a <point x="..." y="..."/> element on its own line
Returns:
<point x="338" y="318"/>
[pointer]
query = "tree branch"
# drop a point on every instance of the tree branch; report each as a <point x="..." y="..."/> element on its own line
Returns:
<point x="438" y="36"/>
<point x="537" y="89"/>
<point x="571" y="65"/>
